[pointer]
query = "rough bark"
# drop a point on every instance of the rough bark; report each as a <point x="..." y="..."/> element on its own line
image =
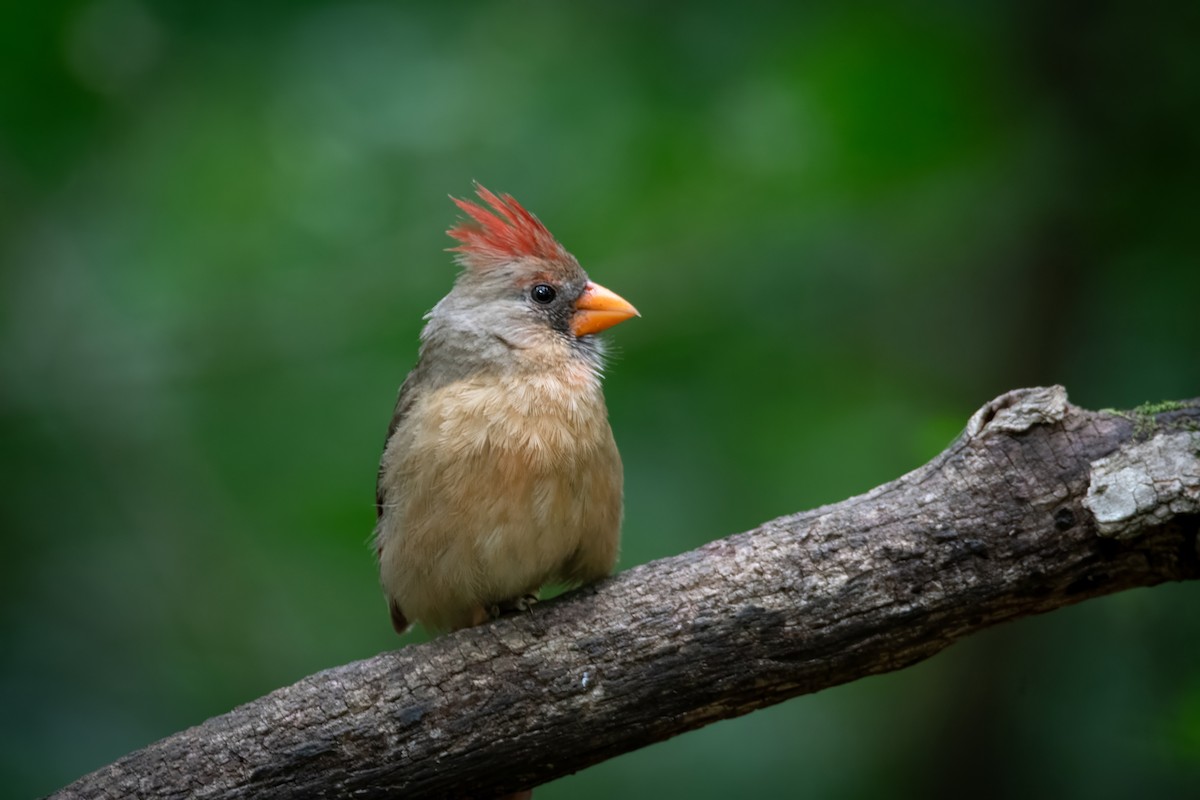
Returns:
<point x="1038" y="505"/>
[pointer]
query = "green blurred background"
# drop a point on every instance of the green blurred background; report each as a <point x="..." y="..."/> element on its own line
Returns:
<point x="847" y="225"/>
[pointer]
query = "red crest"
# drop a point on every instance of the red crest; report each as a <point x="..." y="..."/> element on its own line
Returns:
<point x="503" y="234"/>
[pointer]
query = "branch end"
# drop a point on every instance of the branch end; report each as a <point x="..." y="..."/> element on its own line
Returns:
<point x="1146" y="483"/>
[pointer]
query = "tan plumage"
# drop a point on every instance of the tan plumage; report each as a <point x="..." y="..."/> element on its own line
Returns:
<point x="500" y="473"/>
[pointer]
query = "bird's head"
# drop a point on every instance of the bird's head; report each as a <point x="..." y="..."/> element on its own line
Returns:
<point x="519" y="290"/>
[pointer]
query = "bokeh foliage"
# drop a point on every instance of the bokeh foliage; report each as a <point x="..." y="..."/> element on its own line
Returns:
<point x="846" y="225"/>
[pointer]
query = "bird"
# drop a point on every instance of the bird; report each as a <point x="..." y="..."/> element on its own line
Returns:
<point x="500" y="473"/>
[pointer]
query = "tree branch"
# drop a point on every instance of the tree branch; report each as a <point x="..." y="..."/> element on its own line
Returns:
<point x="1038" y="505"/>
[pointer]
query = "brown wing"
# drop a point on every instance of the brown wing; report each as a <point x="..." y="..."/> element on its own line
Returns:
<point x="404" y="402"/>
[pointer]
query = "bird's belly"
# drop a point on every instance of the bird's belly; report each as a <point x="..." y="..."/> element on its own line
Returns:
<point x="486" y="511"/>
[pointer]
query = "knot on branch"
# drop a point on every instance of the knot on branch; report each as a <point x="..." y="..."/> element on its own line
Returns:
<point x="1019" y="410"/>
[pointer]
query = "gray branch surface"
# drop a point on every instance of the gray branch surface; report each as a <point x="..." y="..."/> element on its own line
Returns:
<point x="1038" y="505"/>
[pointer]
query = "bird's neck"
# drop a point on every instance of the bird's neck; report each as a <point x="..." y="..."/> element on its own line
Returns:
<point x="477" y="350"/>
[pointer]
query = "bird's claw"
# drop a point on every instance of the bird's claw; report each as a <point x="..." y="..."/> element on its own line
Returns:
<point x="525" y="602"/>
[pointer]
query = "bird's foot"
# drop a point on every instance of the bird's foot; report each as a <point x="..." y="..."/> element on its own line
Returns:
<point x="525" y="602"/>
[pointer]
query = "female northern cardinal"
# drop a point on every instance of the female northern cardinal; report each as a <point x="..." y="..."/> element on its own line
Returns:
<point x="500" y="473"/>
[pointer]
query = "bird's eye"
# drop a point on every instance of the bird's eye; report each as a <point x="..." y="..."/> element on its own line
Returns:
<point x="543" y="293"/>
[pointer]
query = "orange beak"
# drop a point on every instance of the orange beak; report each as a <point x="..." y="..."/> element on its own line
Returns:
<point x="598" y="308"/>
